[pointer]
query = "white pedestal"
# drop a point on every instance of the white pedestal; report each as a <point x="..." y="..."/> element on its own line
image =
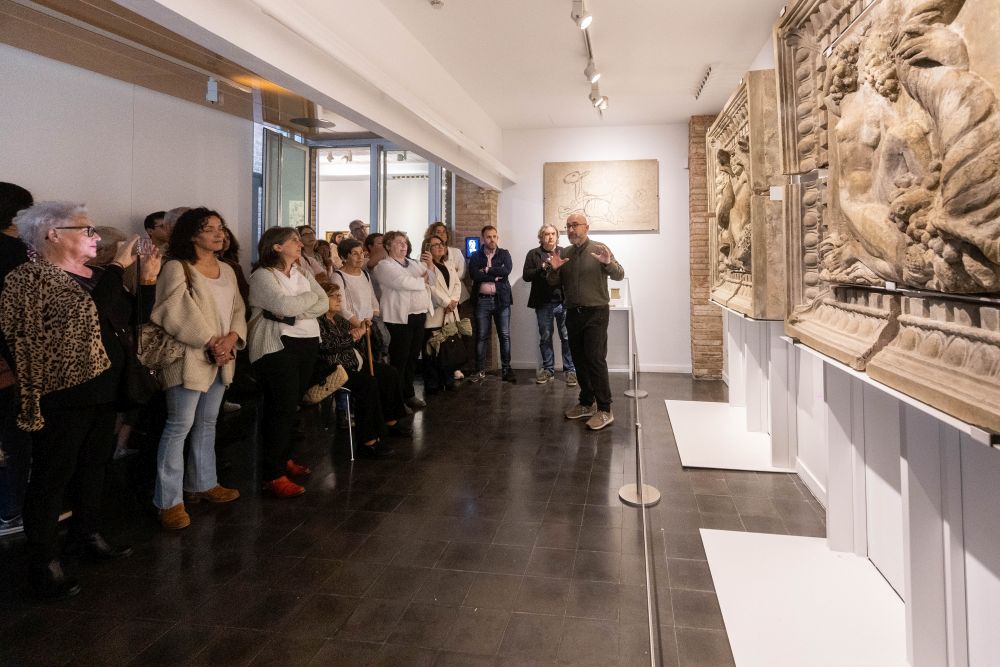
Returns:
<point x="756" y="429"/>
<point x="915" y="491"/>
<point x="789" y="601"/>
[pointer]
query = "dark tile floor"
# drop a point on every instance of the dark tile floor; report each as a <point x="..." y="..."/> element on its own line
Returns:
<point x="494" y="537"/>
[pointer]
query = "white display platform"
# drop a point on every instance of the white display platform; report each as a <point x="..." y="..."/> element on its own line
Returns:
<point x="791" y="601"/>
<point x="715" y="435"/>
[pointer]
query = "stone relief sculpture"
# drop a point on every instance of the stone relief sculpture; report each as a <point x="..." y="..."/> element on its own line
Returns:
<point x="747" y="244"/>
<point x="891" y="122"/>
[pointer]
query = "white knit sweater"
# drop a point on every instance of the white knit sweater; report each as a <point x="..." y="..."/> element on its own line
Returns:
<point x="266" y="293"/>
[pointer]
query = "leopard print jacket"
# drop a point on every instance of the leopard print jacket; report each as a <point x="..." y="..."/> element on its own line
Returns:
<point x="54" y="334"/>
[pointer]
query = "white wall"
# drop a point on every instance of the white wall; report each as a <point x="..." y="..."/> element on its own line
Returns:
<point x="656" y="263"/>
<point x="126" y="151"/>
<point x="765" y="57"/>
<point x="340" y="202"/>
<point x="811" y="410"/>
<point x="406" y="208"/>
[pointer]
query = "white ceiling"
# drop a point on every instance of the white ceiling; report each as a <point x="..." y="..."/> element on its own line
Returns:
<point x="523" y="60"/>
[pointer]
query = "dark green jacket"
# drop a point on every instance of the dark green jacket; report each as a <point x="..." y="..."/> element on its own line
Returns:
<point x="583" y="279"/>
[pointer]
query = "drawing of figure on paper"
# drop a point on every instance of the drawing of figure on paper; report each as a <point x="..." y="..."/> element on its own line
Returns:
<point x="608" y="208"/>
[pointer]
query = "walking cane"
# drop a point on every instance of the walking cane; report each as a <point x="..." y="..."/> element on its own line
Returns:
<point x="368" y="339"/>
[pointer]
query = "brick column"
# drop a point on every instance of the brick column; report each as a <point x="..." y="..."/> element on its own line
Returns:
<point x="706" y="319"/>
<point x="475" y="207"/>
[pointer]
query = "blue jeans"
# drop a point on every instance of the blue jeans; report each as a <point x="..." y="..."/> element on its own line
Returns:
<point x="486" y="310"/>
<point x="545" y="314"/>
<point x="195" y="412"/>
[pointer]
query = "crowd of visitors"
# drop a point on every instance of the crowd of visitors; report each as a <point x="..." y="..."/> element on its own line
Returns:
<point x="89" y="315"/>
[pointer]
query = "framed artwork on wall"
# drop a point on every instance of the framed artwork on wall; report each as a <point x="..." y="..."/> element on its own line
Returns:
<point x="615" y="195"/>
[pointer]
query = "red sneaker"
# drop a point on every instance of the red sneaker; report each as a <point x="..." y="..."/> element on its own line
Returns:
<point x="296" y="470"/>
<point x="284" y="488"/>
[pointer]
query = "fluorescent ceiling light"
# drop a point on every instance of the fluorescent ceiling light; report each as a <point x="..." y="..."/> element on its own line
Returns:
<point x="580" y="15"/>
<point x="591" y="72"/>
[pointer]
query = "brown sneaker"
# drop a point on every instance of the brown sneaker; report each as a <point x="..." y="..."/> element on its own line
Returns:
<point x="580" y="411"/>
<point x="600" y="420"/>
<point x="217" y="494"/>
<point x="175" y="518"/>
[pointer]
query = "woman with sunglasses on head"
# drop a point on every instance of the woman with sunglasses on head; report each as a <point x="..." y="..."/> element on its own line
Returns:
<point x="446" y="290"/>
<point x="284" y="342"/>
<point x="67" y="325"/>
<point x="197" y="303"/>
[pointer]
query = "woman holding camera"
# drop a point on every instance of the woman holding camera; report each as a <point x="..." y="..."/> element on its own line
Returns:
<point x="284" y="342"/>
<point x="198" y="303"/>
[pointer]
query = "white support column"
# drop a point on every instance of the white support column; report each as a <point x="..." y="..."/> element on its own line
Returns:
<point x="783" y="388"/>
<point x="757" y="359"/>
<point x="845" y="521"/>
<point x="926" y="444"/>
<point x="736" y="359"/>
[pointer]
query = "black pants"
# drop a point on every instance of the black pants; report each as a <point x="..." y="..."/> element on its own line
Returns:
<point x="588" y="342"/>
<point x="404" y="349"/>
<point x="69" y="457"/>
<point x="377" y="399"/>
<point x="436" y="376"/>
<point x="16" y="445"/>
<point x="284" y="376"/>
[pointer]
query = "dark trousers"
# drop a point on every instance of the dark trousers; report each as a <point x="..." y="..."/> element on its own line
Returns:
<point x="377" y="399"/>
<point x="436" y="376"/>
<point x="488" y="309"/>
<point x="284" y="376"/>
<point x="405" y="341"/>
<point x="588" y="341"/>
<point x="16" y="446"/>
<point x="69" y="458"/>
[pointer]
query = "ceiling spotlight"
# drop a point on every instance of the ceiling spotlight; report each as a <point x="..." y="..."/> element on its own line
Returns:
<point x="595" y="94"/>
<point x="329" y="156"/>
<point x="437" y="4"/>
<point x="602" y="104"/>
<point x="401" y="156"/>
<point x="350" y="156"/>
<point x="591" y="72"/>
<point x="580" y="15"/>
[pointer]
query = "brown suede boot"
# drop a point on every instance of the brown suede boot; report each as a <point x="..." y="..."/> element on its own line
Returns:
<point x="175" y="518"/>
<point x="217" y="494"/>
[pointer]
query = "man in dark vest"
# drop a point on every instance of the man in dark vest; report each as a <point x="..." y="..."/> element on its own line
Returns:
<point x="547" y="303"/>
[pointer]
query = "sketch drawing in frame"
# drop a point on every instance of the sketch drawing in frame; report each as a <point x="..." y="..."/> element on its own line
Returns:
<point x="615" y="195"/>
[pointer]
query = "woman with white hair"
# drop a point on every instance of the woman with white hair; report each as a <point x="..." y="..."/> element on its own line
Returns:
<point x="67" y="327"/>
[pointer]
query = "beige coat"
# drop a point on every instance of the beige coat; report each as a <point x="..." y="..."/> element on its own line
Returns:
<point x="441" y="295"/>
<point x="189" y="315"/>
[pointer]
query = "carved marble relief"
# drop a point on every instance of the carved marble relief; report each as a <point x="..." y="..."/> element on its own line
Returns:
<point x="746" y="240"/>
<point x="890" y="124"/>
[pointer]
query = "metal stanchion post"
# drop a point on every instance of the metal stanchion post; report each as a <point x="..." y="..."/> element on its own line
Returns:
<point x="634" y="391"/>
<point x="638" y="494"/>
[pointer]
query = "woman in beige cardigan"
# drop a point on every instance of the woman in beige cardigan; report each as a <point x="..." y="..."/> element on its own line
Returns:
<point x="198" y="303"/>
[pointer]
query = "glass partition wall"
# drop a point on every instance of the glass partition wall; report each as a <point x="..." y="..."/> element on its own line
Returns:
<point x="388" y="187"/>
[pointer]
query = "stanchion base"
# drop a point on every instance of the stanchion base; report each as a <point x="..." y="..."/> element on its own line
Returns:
<point x="629" y="495"/>
<point x="633" y="393"/>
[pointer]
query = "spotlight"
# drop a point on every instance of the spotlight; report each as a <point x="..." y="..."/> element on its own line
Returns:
<point x="595" y="94"/>
<point x="329" y="156"/>
<point x="591" y="72"/>
<point x="602" y="104"/>
<point x="580" y="15"/>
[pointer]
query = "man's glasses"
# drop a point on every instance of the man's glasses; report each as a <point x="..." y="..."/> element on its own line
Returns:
<point x="573" y="225"/>
<point x="88" y="230"/>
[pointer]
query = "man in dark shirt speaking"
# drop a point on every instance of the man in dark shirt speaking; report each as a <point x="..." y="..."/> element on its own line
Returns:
<point x="582" y="270"/>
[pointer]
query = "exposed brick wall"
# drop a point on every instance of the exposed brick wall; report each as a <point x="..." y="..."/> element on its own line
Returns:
<point x="706" y="319"/>
<point x="475" y="207"/>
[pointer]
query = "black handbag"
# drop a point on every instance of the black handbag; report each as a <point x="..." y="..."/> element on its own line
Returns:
<point x="453" y="353"/>
<point x="139" y="384"/>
